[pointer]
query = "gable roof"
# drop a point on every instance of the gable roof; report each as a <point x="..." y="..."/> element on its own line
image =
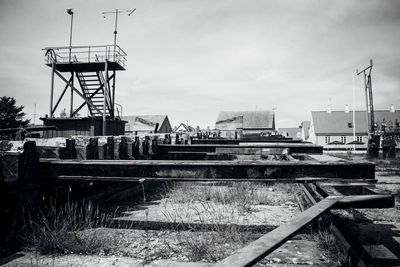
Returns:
<point x="337" y="122"/>
<point x="263" y="119"/>
<point x="144" y="122"/>
<point x="185" y="127"/>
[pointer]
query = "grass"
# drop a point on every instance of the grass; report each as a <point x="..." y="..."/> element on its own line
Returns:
<point x="218" y="234"/>
<point x="242" y="195"/>
<point x="328" y="243"/>
<point x="60" y="230"/>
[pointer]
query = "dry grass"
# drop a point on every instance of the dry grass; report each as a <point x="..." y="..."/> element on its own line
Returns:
<point x="241" y="195"/>
<point x="59" y="230"/>
<point x="222" y="235"/>
<point x="328" y="243"/>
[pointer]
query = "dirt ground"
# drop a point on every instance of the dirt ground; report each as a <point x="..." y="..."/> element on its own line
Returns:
<point x="206" y="223"/>
<point x="184" y="228"/>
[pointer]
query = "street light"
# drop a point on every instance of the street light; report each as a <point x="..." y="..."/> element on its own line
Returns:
<point x="71" y="13"/>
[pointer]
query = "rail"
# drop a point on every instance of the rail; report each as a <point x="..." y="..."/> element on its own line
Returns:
<point x="85" y="54"/>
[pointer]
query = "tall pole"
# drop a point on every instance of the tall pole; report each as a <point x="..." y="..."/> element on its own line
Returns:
<point x="368" y="98"/>
<point x="71" y="13"/>
<point x="115" y="31"/>
<point x="354" y="118"/>
<point x="116" y="24"/>
<point x="367" y="105"/>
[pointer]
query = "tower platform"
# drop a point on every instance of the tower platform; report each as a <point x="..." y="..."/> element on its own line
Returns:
<point x="86" y="58"/>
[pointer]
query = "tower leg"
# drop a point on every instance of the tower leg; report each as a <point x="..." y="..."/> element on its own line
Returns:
<point x="72" y="96"/>
<point x="113" y="97"/>
<point x="52" y="89"/>
<point x="105" y="89"/>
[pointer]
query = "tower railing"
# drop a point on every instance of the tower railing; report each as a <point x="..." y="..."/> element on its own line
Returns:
<point x="85" y="54"/>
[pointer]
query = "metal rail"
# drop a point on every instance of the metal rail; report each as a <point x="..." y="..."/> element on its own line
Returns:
<point x="85" y="54"/>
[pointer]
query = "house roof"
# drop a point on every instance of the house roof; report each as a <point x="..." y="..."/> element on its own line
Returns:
<point x="337" y="122"/>
<point x="263" y="119"/>
<point x="144" y="122"/>
<point x="290" y="132"/>
<point x="185" y="127"/>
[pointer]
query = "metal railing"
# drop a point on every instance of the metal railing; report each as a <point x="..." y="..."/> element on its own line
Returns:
<point x="85" y="54"/>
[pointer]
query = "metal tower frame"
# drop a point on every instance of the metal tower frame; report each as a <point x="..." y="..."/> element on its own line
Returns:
<point x="94" y="68"/>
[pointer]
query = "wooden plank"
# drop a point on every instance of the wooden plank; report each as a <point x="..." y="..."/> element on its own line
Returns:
<point x="184" y="179"/>
<point x="187" y="179"/>
<point x="257" y="250"/>
<point x="366" y="202"/>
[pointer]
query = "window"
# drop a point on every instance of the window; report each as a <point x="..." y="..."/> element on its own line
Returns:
<point x="359" y="139"/>
<point x="327" y="139"/>
<point x="343" y="139"/>
<point x="350" y="124"/>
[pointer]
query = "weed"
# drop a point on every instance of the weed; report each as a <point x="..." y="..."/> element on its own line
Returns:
<point x="60" y="230"/>
<point x="328" y="243"/>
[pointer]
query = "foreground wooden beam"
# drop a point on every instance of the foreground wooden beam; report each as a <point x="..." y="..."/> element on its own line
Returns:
<point x="257" y="250"/>
<point x="209" y="169"/>
<point x="191" y="179"/>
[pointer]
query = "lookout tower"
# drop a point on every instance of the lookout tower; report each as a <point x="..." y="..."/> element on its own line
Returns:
<point x="90" y="73"/>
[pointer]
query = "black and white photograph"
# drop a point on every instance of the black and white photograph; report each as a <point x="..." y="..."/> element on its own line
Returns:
<point x="199" y="133"/>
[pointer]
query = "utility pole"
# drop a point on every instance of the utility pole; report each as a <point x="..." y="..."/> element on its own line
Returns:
<point x="368" y="98"/>
<point x="373" y="138"/>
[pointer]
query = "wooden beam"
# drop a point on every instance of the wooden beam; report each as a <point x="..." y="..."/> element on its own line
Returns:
<point x="366" y="202"/>
<point x="257" y="250"/>
<point x="189" y="179"/>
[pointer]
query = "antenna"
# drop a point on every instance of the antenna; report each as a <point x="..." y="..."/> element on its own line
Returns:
<point x="116" y="12"/>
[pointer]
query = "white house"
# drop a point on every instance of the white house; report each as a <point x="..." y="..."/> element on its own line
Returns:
<point x="335" y="128"/>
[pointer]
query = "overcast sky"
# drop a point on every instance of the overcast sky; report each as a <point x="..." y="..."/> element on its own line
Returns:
<point x="191" y="59"/>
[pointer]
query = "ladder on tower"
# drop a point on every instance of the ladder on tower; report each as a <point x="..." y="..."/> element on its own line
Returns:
<point x="92" y="84"/>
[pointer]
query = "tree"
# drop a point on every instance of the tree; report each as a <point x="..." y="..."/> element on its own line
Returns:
<point x="11" y="116"/>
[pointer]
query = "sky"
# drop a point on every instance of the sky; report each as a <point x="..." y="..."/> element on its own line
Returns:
<point x="192" y="59"/>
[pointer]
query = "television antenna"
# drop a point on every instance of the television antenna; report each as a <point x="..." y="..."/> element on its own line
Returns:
<point x="116" y="12"/>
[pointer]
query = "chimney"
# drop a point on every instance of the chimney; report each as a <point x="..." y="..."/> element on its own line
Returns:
<point x="346" y="109"/>
<point x="329" y="109"/>
<point x="392" y="108"/>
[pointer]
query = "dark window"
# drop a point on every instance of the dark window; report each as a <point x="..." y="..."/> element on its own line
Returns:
<point x="350" y="124"/>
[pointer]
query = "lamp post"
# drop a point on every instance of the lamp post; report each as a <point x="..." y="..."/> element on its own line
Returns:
<point x="71" y="13"/>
